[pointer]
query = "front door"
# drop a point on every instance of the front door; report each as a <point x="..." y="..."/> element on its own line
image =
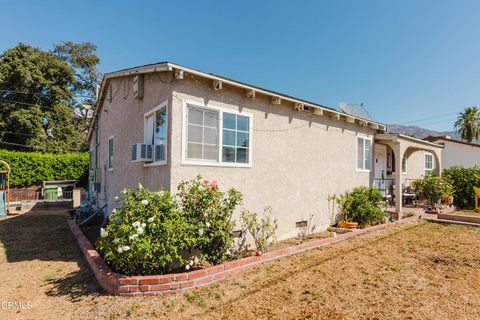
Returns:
<point x="380" y="168"/>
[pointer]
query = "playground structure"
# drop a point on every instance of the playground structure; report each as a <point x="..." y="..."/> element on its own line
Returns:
<point x="4" y="188"/>
<point x="477" y="195"/>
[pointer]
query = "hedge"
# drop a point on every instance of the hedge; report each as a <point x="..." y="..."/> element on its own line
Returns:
<point x="463" y="180"/>
<point x="32" y="168"/>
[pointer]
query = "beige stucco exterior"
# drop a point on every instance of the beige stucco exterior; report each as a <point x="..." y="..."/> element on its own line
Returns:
<point x="459" y="153"/>
<point x="298" y="158"/>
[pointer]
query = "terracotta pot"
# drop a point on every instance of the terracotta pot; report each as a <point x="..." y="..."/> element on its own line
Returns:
<point x="347" y="225"/>
<point x="258" y="253"/>
<point x="447" y="200"/>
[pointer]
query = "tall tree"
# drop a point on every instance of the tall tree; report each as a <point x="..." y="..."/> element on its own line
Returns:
<point x="83" y="60"/>
<point x="468" y="124"/>
<point x="37" y="100"/>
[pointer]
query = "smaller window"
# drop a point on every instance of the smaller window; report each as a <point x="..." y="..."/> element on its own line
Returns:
<point x="429" y="163"/>
<point x="364" y="154"/>
<point x="404" y="164"/>
<point x="110" y="153"/>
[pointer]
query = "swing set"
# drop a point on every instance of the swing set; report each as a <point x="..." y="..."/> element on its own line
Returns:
<point x="4" y="188"/>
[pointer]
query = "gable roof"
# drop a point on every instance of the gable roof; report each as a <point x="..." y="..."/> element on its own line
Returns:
<point x="449" y="139"/>
<point x="169" y="66"/>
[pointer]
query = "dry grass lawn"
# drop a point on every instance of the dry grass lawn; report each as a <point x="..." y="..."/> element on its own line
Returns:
<point x="421" y="270"/>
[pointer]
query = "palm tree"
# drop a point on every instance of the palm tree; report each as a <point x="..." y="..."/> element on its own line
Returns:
<point x="468" y="124"/>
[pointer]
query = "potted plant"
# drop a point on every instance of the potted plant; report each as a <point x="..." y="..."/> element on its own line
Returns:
<point x="361" y="207"/>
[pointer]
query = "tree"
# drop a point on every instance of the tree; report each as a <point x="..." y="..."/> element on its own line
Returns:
<point x="39" y="95"/>
<point x="468" y="124"/>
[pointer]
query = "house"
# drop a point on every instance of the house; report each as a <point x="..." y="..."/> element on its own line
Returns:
<point x="163" y="123"/>
<point x="457" y="153"/>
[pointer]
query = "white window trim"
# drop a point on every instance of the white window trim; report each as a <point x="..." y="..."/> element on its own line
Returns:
<point x="425" y="162"/>
<point x="406" y="165"/>
<point x="356" y="153"/>
<point x="108" y="153"/>
<point x="145" y="116"/>
<point x="220" y="111"/>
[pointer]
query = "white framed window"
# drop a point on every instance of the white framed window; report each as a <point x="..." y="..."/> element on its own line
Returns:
<point x="364" y="154"/>
<point x="429" y="164"/>
<point x="404" y="164"/>
<point x="110" y="153"/>
<point x="155" y="133"/>
<point x="216" y="136"/>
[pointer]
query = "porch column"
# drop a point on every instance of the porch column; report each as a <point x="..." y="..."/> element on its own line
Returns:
<point x="398" y="150"/>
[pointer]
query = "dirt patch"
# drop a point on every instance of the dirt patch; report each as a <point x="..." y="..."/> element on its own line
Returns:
<point x="418" y="271"/>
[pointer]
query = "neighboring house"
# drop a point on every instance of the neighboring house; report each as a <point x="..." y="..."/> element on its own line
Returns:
<point x="457" y="153"/>
<point x="163" y="123"/>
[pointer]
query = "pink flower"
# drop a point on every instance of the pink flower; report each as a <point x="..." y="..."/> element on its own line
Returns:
<point x="205" y="182"/>
<point x="214" y="184"/>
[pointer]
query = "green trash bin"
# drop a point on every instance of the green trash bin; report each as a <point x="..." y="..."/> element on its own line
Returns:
<point x="51" y="193"/>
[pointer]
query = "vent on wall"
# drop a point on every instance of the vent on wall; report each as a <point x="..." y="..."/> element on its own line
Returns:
<point x="301" y="224"/>
<point x="138" y="86"/>
<point x="237" y="233"/>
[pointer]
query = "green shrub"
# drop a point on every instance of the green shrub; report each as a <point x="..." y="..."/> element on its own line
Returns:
<point x="31" y="168"/>
<point x="433" y="188"/>
<point x="463" y="180"/>
<point x="262" y="230"/>
<point x="362" y="205"/>
<point x="146" y="235"/>
<point x="209" y="211"/>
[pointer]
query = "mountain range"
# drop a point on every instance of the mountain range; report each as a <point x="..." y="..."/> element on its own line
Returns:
<point x="420" y="133"/>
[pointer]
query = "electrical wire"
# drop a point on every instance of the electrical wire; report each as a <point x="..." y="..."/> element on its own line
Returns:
<point x="43" y="94"/>
<point x="19" y="133"/>
<point x="26" y="104"/>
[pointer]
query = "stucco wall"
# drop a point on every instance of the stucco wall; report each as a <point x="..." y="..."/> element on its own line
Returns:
<point x="298" y="158"/>
<point x="457" y="154"/>
<point x="123" y="118"/>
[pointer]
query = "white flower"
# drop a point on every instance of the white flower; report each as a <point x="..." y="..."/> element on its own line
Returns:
<point x="114" y="211"/>
<point x="125" y="248"/>
<point x="191" y="262"/>
<point x="139" y="186"/>
<point x="116" y="240"/>
<point x="120" y="250"/>
<point x="228" y="252"/>
<point x="196" y="260"/>
<point x="116" y="198"/>
<point x="187" y="267"/>
<point x="161" y="193"/>
<point x="145" y="202"/>
<point x="144" y="224"/>
<point x="200" y="232"/>
<point x="140" y="230"/>
<point x="103" y="233"/>
<point x="124" y="191"/>
<point x="136" y="224"/>
<point x="132" y="237"/>
<point x="207" y="224"/>
<point x="151" y="219"/>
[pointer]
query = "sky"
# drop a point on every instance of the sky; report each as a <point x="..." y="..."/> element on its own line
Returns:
<point x="412" y="62"/>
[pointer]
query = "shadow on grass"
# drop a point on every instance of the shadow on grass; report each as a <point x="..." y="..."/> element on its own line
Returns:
<point x="45" y="236"/>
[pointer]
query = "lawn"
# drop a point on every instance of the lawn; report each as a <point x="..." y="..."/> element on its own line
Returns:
<point x="421" y="270"/>
<point x="469" y="213"/>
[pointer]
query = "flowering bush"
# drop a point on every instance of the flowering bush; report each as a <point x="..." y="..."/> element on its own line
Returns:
<point x="262" y="230"/>
<point x="362" y="205"/>
<point x="209" y="212"/>
<point x="146" y="235"/>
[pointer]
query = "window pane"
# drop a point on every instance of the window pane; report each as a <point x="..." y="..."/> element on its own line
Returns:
<point x="359" y="153"/>
<point x="229" y="121"/>
<point x="148" y="130"/>
<point x="161" y="124"/>
<point x="211" y="119"/>
<point x="194" y="151"/>
<point x="195" y="133"/>
<point x="242" y="139"/>
<point x="110" y="153"/>
<point x="404" y="164"/>
<point x="242" y="155"/>
<point x="228" y="154"/>
<point x="210" y="152"/>
<point x="210" y="136"/>
<point x="160" y="152"/>
<point x="229" y="137"/>
<point x="367" y="153"/>
<point x="243" y="123"/>
<point x="195" y="116"/>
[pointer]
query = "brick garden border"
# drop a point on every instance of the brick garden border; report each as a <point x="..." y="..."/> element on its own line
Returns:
<point x="129" y="286"/>
<point x="460" y="218"/>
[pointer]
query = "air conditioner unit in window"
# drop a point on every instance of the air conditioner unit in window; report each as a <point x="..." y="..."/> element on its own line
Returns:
<point x="142" y="152"/>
